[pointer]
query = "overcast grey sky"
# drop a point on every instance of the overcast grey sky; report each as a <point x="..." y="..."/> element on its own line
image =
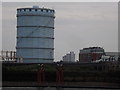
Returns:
<point x="77" y="25"/>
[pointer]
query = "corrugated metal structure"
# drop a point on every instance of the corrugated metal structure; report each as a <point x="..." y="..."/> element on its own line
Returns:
<point x="35" y="34"/>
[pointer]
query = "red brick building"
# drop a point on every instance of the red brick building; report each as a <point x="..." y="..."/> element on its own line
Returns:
<point x="91" y="54"/>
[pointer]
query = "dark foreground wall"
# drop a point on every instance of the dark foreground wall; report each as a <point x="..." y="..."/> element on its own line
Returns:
<point x="68" y="76"/>
<point x="72" y="73"/>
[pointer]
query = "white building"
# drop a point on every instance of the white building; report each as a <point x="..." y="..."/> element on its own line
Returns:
<point x="70" y="57"/>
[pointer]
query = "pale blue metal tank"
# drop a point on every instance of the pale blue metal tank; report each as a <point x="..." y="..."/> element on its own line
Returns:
<point x="35" y="35"/>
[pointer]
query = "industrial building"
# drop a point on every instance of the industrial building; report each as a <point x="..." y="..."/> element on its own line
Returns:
<point x="9" y="57"/>
<point x="110" y="56"/>
<point x="91" y="54"/>
<point x="35" y="35"/>
<point x="69" y="57"/>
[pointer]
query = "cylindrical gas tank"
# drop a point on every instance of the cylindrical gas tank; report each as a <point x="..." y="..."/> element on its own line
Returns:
<point x="35" y="35"/>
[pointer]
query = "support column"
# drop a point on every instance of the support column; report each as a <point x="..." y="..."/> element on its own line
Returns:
<point x="41" y="74"/>
<point x="59" y="73"/>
